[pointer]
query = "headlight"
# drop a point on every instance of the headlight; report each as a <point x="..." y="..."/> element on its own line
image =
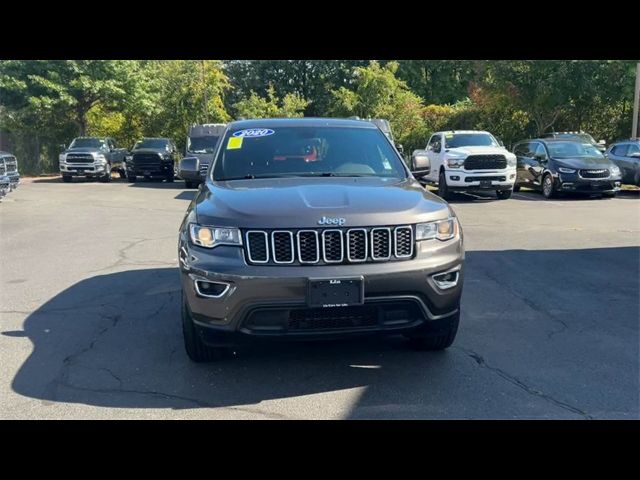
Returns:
<point x="61" y="157"/>
<point x="455" y="162"/>
<point x="442" y="230"/>
<point x="566" y="170"/>
<point x="210" y="237"/>
<point x="100" y="158"/>
<point x="511" y="161"/>
<point x="615" y="170"/>
<point x="128" y="158"/>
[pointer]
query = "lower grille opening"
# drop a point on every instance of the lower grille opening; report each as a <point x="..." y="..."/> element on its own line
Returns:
<point x="382" y="314"/>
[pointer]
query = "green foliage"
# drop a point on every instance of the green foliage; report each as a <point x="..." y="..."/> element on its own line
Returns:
<point x="46" y="103"/>
<point x="255" y="106"/>
<point x="378" y="93"/>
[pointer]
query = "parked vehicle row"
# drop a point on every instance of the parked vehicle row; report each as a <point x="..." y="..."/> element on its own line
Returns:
<point x="559" y="162"/>
<point x="9" y="174"/>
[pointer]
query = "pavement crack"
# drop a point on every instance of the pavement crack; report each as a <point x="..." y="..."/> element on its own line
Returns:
<point x="479" y="359"/>
<point x="123" y="259"/>
<point x="531" y="304"/>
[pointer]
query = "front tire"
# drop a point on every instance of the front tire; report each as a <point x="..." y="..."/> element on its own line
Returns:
<point x="609" y="194"/>
<point x="443" y="189"/>
<point x="516" y="188"/>
<point x="170" y="178"/>
<point x="196" y="349"/>
<point x="548" y="187"/>
<point x="106" y="178"/>
<point x="67" y="178"/>
<point x="190" y="184"/>
<point x="503" y="194"/>
<point x="131" y="178"/>
<point x="436" y="334"/>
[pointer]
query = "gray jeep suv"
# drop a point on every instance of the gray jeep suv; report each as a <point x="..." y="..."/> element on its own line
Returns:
<point x="314" y="228"/>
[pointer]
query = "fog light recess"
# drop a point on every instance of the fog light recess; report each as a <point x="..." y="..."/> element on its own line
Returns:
<point x="446" y="280"/>
<point x="455" y="178"/>
<point x="210" y="289"/>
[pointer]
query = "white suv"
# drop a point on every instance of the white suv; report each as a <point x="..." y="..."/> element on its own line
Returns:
<point x="464" y="160"/>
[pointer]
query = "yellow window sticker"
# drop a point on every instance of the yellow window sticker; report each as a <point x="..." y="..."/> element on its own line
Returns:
<point x="448" y="135"/>
<point x="234" y="143"/>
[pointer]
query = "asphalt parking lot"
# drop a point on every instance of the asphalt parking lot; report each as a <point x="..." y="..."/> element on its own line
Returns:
<point x="90" y="320"/>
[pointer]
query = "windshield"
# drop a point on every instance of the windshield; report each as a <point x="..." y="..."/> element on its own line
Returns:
<point x="151" y="143"/>
<point x="581" y="137"/>
<point x="455" y="140"/>
<point x="87" y="143"/>
<point x="306" y="151"/>
<point x="572" y="149"/>
<point x="202" y="144"/>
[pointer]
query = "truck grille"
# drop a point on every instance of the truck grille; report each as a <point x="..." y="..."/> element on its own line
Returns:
<point x="203" y="169"/>
<point x="2" y="168"/>
<point x="11" y="165"/>
<point x="79" y="158"/>
<point x="600" y="173"/>
<point x="146" y="161"/>
<point x="329" y="246"/>
<point x="485" y="162"/>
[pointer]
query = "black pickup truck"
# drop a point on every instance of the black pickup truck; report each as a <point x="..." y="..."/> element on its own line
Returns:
<point x="152" y="158"/>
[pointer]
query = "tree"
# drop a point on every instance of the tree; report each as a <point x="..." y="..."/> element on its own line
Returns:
<point x="255" y="106"/>
<point x="378" y="93"/>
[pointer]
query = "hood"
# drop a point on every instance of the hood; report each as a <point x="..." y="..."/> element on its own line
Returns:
<point x="82" y="150"/>
<point x="584" y="162"/>
<point x="205" y="158"/>
<point x="480" y="150"/>
<point x="302" y="202"/>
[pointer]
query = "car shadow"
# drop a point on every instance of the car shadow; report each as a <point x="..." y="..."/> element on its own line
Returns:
<point x="115" y="341"/>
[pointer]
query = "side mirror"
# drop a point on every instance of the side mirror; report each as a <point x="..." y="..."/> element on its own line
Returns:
<point x="399" y="147"/>
<point x="190" y="169"/>
<point x="420" y="164"/>
<point x="635" y="155"/>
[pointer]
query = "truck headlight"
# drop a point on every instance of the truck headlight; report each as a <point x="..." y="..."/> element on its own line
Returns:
<point x="511" y="161"/>
<point x="442" y="230"/>
<point x="615" y="170"/>
<point x="128" y="158"/>
<point x="566" y="170"/>
<point x="210" y="237"/>
<point x="455" y="162"/>
<point x="100" y="159"/>
<point x="61" y="158"/>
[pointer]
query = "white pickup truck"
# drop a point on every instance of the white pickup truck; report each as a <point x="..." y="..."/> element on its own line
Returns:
<point x="469" y="160"/>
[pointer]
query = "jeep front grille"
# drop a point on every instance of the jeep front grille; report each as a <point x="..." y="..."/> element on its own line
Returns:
<point x="79" y="158"/>
<point x="329" y="246"/>
<point x="485" y="162"/>
<point x="600" y="173"/>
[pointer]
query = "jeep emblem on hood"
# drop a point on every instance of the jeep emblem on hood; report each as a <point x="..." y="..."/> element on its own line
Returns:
<point x="332" y="221"/>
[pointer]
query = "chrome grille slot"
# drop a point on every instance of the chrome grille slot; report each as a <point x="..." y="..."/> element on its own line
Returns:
<point x="257" y="246"/>
<point x="357" y="250"/>
<point x="282" y="246"/>
<point x="380" y="243"/>
<point x="308" y="246"/>
<point x="332" y="246"/>
<point x="403" y="242"/>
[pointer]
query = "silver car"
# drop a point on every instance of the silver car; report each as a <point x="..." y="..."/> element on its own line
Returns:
<point x="626" y="155"/>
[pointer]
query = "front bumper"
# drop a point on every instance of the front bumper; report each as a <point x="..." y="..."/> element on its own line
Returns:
<point x="271" y="301"/>
<point x="82" y="169"/>
<point x="462" y="180"/>
<point x="575" y="183"/>
<point x="14" y="180"/>
<point x="149" y="170"/>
